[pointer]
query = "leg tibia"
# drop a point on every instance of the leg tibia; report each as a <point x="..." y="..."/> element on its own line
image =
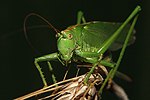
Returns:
<point x="41" y="73"/>
<point x="51" y="70"/>
<point x="48" y="57"/>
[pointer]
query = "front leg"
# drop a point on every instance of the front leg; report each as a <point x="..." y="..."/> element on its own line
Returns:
<point x="47" y="58"/>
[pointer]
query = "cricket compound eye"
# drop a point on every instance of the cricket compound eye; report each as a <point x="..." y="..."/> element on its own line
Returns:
<point x="67" y="34"/>
<point x="70" y="36"/>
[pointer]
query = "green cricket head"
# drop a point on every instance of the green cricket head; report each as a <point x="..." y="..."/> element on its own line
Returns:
<point x="66" y="45"/>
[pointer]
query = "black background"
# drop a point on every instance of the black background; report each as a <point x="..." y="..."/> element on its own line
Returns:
<point x="18" y="74"/>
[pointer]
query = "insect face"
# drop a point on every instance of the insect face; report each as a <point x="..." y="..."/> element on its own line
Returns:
<point x="66" y="45"/>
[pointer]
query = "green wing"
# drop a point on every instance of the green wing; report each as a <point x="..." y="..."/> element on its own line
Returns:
<point x="95" y="33"/>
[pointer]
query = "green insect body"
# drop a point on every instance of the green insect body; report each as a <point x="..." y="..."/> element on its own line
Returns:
<point x="88" y="38"/>
<point x="88" y="42"/>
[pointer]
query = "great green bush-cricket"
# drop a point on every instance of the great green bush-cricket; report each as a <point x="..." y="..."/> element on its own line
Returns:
<point x="88" y="41"/>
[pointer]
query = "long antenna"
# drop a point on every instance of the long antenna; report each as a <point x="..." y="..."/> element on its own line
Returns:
<point x="25" y="30"/>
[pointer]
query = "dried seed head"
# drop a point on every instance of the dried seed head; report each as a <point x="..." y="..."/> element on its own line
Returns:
<point x="76" y="90"/>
